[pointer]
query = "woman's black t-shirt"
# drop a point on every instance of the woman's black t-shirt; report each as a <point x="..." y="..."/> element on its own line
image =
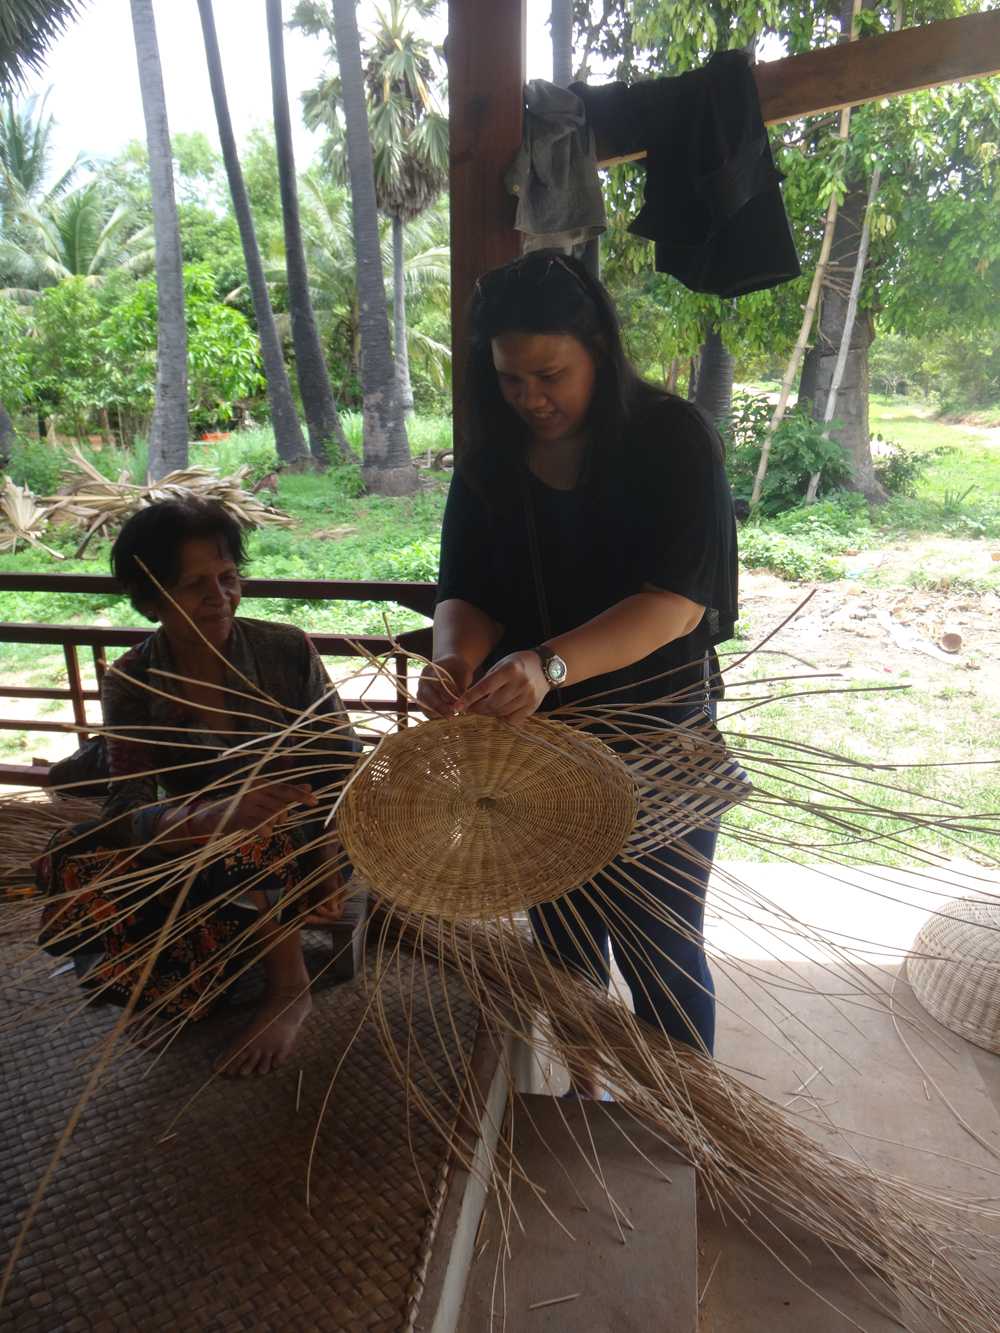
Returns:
<point x="665" y="517"/>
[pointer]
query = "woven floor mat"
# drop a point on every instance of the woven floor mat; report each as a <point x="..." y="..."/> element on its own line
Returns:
<point x="209" y="1230"/>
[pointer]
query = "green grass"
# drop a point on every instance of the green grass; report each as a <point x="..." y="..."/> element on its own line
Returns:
<point x="928" y="724"/>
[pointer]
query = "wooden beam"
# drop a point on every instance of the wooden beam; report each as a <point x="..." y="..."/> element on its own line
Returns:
<point x="863" y="71"/>
<point x="486" y="73"/>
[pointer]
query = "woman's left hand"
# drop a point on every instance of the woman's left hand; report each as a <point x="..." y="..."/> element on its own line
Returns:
<point x="511" y="690"/>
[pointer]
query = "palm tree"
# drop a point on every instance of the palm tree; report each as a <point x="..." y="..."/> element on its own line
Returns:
<point x="314" y="380"/>
<point x="78" y="235"/>
<point x="388" y="468"/>
<point x="714" y="391"/>
<point x="26" y="155"/>
<point x="409" y="144"/>
<point x="168" y="432"/>
<point x="409" y="137"/>
<point x="27" y="29"/>
<point x="288" y="438"/>
<point x="327" y="232"/>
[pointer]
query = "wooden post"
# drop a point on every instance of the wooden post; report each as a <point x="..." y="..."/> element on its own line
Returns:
<point x="75" y="685"/>
<point x="486" y="66"/>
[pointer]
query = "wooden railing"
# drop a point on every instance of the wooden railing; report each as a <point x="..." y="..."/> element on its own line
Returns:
<point x="417" y="597"/>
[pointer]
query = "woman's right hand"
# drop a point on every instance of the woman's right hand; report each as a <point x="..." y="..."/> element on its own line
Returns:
<point x="259" y="809"/>
<point x="433" y="693"/>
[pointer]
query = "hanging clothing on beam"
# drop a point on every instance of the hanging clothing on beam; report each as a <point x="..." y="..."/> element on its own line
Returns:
<point x="713" y="202"/>
<point x="554" y="175"/>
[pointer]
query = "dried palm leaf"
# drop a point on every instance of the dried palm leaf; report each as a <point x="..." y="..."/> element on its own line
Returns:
<point x="24" y="517"/>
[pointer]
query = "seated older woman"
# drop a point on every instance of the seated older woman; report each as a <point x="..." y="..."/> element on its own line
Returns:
<point x="189" y="712"/>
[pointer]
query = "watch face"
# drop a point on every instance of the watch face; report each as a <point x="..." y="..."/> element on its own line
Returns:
<point x="555" y="669"/>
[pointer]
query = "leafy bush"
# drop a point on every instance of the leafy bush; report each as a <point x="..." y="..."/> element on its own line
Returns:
<point x="799" y="448"/>
<point x="835" y="523"/>
<point x="36" y="464"/>
<point x="901" y="470"/>
<point x="788" y="556"/>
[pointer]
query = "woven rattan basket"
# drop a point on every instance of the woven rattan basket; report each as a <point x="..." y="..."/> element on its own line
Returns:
<point x="469" y="818"/>
<point x="954" y="969"/>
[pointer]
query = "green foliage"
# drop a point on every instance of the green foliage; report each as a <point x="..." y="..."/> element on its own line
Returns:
<point x="799" y="448"/>
<point x="900" y="470"/>
<point x="15" y="362"/>
<point x="789" y="557"/>
<point x="37" y="465"/>
<point x="804" y="542"/>
<point x="252" y="448"/>
<point x="68" y="363"/>
<point x="223" y="355"/>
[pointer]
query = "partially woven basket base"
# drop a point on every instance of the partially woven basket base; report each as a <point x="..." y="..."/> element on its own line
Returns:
<point x="954" y="969"/>
<point x="469" y="817"/>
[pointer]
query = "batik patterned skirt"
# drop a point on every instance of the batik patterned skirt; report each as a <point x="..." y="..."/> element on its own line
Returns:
<point x="113" y="906"/>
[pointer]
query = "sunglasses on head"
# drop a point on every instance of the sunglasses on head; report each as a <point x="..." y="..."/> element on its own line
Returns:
<point x="499" y="279"/>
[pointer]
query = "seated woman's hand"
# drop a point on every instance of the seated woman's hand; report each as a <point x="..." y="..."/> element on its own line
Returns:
<point x="512" y="690"/>
<point x="260" y="809"/>
<point x="441" y="683"/>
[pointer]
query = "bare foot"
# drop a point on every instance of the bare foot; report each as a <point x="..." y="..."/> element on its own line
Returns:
<point x="269" y="1040"/>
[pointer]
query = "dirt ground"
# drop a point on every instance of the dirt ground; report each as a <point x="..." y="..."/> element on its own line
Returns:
<point x="858" y="629"/>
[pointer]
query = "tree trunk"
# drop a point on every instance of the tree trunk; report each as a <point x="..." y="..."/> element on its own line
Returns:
<point x="310" y="364"/>
<point x="714" y="393"/>
<point x="388" y="468"/>
<point x="852" y="399"/>
<point x="561" y="26"/>
<point x="850" y="318"/>
<point x="402" y="351"/>
<point x="6" y="436"/>
<point x="168" y="431"/>
<point x="288" y="437"/>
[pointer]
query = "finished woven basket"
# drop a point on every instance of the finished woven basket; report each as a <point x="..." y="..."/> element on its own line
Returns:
<point x="954" y="969"/>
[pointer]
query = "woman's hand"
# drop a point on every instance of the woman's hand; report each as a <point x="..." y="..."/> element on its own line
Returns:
<point x="259" y="809"/>
<point x="512" y="690"/>
<point x="433" y="694"/>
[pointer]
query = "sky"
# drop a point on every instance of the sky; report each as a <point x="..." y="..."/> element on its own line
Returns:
<point x="95" y="88"/>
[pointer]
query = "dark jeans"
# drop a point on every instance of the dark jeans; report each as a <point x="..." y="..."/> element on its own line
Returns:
<point x="667" y="973"/>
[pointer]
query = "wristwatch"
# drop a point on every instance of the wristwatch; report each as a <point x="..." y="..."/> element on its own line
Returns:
<point x="554" y="669"/>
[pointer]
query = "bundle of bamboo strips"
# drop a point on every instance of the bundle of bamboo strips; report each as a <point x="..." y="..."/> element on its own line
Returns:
<point x="28" y="822"/>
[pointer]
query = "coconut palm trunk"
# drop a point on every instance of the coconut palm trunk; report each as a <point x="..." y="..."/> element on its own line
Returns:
<point x="714" y="392"/>
<point x="400" y="348"/>
<point x="288" y="438"/>
<point x="561" y="27"/>
<point x="388" y="468"/>
<point x="318" y="402"/>
<point x="168" y="432"/>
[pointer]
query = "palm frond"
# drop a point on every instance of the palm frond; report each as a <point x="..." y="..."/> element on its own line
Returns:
<point x="27" y="30"/>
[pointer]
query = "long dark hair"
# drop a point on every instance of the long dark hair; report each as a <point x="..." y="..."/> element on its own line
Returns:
<point x="545" y="292"/>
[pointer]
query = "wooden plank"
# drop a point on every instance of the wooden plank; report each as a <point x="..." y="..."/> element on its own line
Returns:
<point x="486" y="73"/>
<point x="642" y="1278"/>
<point x="856" y="72"/>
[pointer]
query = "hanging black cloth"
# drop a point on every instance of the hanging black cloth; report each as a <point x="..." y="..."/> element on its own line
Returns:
<point x="713" y="204"/>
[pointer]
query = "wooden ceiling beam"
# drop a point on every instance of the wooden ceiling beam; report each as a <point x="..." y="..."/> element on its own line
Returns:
<point x="863" y="71"/>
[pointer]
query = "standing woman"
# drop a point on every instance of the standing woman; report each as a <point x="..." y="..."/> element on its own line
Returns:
<point x="588" y="548"/>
